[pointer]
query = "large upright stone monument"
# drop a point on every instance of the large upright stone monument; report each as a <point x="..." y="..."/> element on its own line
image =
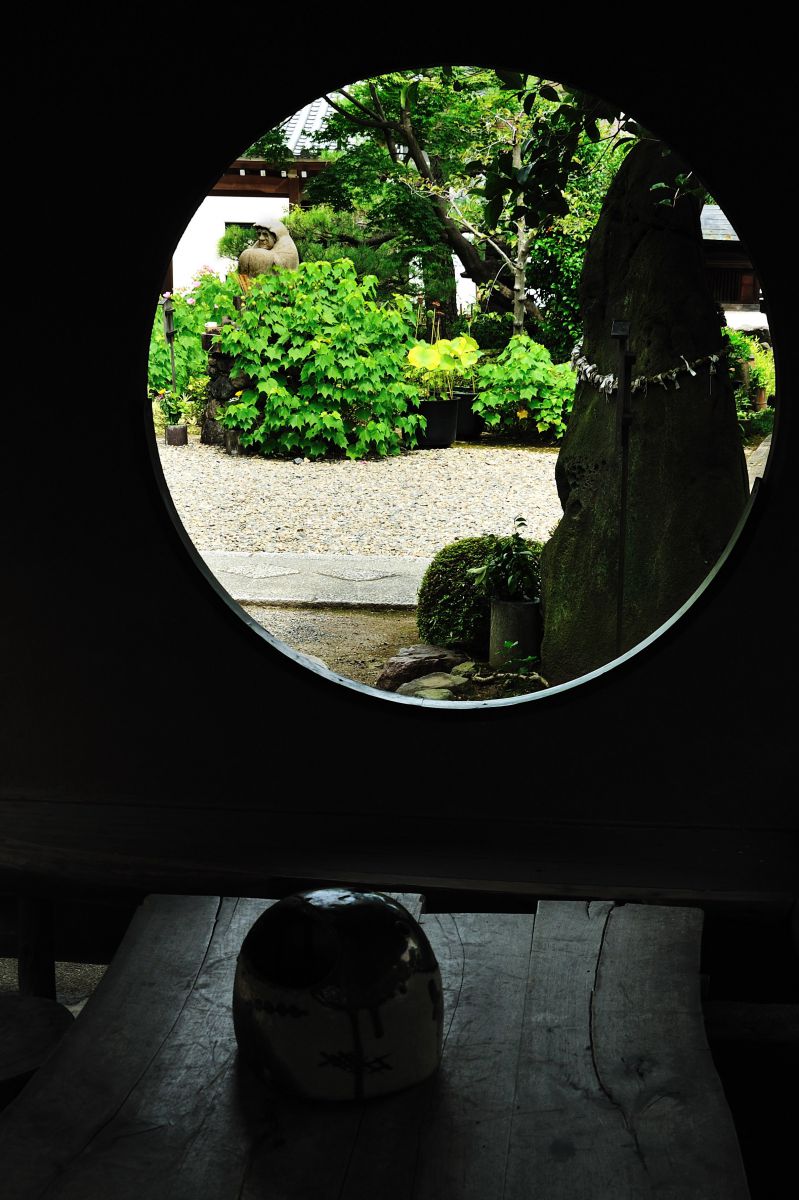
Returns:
<point x="687" y="482"/>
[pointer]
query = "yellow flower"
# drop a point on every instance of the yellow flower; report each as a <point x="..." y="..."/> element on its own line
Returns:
<point x="521" y="413"/>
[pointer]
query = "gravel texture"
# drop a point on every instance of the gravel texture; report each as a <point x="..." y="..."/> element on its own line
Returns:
<point x="410" y="505"/>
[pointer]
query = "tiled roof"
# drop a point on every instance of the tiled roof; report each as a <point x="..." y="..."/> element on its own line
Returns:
<point x="715" y="226"/>
<point x="300" y="128"/>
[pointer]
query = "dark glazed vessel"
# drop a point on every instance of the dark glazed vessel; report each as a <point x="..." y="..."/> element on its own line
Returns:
<point x="338" y="996"/>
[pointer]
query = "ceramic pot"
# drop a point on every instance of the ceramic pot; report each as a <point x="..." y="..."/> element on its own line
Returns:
<point x="176" y="435"/>
<point x="515" y="631"/>
<point x="338" y="996"/>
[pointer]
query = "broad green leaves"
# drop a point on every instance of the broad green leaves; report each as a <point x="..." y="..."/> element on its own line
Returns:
<point x="522" y="390"/>
<point x="442" y="363"/>
<point x="325" y="363"/>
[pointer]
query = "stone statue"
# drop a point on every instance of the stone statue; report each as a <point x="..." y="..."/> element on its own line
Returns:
<point x="274" y="251"/>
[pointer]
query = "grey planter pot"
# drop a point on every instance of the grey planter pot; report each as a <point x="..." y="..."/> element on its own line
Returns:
<point x="176" y="435"/>
<point x="516" y="623"/>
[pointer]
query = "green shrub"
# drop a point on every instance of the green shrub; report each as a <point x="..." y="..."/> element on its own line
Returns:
<point x="522" y="394"/>
<point x="324" y="364"/>
<point x="192" y="307"/>
<point x="752" y="365"/>
<point x="189" y="317"/>
<point x="451" y="610"/>
<point x="512" y="570"/>
<point x="234" y="240"/>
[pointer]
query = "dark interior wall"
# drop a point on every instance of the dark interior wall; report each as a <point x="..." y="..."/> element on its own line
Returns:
<point x="130" y="682"/>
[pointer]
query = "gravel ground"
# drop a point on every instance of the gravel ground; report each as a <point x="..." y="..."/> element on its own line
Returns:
<point x="413" y="504"/>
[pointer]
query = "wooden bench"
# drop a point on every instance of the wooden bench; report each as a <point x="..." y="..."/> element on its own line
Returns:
<point x="575" y="1068"/>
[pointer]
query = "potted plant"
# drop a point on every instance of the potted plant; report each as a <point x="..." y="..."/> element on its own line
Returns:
<point x="439" y="365"/>
<point x="511" y="576"/>
<point x="172" y="405"/>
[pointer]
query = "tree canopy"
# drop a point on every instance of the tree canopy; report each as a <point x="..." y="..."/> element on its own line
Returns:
<point x="503" y="171"/>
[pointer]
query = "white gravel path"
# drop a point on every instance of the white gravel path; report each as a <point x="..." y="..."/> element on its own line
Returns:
<point x="410" y="505"/>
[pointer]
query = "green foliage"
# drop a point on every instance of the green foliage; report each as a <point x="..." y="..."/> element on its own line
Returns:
<point x="512" y="569"/>
<point x="752" y="364"/>
<point x="440" y="366"/>
<point x="491" y="330"/>
<point x="190" y="312"/>
<point x="324" y="363"/>
<point x="450" y="609"/>
<point x="323" y="234"/>
<point x="522" y="393"/>
<point x="234" y="240"/>
<point x="171" y="408"/>
<point x="187" y="407"/>
<point x="194" y="399"/>
<point x="272" y="146"/>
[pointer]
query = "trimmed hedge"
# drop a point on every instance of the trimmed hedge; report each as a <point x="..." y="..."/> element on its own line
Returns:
<point x="451" y="610"/>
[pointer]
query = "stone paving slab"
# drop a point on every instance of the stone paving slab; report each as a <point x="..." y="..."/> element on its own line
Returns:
<point x="756" y="460"/>
<point x="375" y="581"/>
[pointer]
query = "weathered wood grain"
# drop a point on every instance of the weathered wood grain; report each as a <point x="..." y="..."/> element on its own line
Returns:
<point x="560" y="1074"/>
<point x="80" y="1089"/>
<point x="617" y="1097"/>
<point x="652" y="1057"/>
<point x="199" y="848"/>
<point x="30" y="1028"/>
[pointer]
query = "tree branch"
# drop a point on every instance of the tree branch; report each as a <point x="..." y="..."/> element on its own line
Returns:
<point x="391" y="145"/>
<point x="354" y="100"/>
<point x="352" y="117"/>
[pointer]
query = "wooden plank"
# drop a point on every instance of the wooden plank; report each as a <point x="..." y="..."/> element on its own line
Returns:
<point x="35" y="942"/>
<point x="448" y="1138"/>
<point x="617" y="1096"/>
<point x="548" y="1075"/>
<point x="652" y="1057"/>
<point x="146" y="848"/>
<point x="30" y="1028"/>
<point x="78" y="1091"/>
<point x="413" y="901"/>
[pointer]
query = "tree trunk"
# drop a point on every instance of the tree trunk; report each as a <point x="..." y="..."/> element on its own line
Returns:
<point x="440" y="286"/>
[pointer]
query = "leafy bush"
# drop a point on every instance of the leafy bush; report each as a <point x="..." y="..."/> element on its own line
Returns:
<point x="443" y="365"/>
<point x="191" y="309"/>
<point x="235" y="239"/>
<point x="752" y="365"/>
<point x="324" y="363"/>
<point x="512" y="570"/>
<point x="522" y="393"/>
<point x="450" y="610"/>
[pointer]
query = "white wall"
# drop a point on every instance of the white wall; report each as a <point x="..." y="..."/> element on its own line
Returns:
<point x="197" y="247"/>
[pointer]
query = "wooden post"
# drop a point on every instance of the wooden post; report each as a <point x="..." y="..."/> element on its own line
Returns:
<point x="35" y="947"/>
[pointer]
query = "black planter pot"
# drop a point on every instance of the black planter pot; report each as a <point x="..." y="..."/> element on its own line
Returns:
<point x="470" y="424"/>
<point x="442" y="424"/>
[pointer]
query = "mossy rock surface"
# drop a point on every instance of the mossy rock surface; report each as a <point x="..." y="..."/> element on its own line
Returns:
<point x="450" y="609"/>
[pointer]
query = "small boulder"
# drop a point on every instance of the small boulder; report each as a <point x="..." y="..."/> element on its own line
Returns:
<point x="466" y="669"/>
<point x="411" y="662"/>
<point x="438" y="679"/>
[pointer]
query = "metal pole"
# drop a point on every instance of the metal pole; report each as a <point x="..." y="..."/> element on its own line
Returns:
<point x="620" y="330"/>
<point x="169" y="335"/>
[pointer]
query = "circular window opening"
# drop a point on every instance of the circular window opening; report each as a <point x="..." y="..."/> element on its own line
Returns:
<point x="461" y="381"/>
